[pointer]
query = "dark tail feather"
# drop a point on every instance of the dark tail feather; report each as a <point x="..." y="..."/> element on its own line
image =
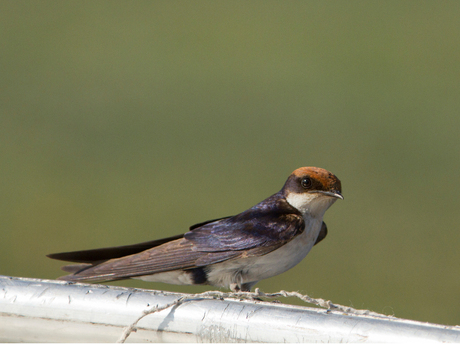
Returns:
<point x="95" y="256"/>
<point x="75" y="268"/>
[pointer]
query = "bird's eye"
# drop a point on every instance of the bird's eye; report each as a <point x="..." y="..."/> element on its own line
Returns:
<point x="306" y="182"/>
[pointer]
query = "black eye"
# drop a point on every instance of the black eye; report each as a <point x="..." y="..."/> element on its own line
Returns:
<point x="306" y="182"/>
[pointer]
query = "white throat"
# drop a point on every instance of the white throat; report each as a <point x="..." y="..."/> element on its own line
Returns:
<point x="312" y="204"/>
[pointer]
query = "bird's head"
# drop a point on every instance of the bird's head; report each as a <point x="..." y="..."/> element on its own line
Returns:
<point x="312" y="190"/>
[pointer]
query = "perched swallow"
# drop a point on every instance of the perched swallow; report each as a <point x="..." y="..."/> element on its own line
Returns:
<point x="234" y="252"/>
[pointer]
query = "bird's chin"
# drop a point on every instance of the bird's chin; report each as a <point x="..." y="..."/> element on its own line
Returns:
<point x="313" y="204"/>
<point x="321" y="204"/>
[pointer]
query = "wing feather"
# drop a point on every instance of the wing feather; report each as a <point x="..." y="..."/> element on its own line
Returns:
<point x="171" y="256"/>
<point x="252" y="228"/>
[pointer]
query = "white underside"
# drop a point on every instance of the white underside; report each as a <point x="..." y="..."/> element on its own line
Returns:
<point x="252" y="269"/>
<point x="178" y="277"/>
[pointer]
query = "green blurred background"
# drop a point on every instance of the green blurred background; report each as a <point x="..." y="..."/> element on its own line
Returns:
<point x="127" y="121"/>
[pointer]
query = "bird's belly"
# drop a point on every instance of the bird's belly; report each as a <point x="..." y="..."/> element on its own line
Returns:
<point x="253" y="269"/>
<point x="178" y="277"/>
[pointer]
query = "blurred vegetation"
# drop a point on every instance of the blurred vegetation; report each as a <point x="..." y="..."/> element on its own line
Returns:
<point x="126" y="121"/>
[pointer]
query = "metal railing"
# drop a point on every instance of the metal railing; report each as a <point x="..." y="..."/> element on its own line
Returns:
<point x="35" y="310"/>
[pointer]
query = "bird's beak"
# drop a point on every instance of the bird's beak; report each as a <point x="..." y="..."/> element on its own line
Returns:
<point x="333" y="193"/>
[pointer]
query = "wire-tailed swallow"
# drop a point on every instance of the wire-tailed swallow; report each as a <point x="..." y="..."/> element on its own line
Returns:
<point x="234" y="252"/>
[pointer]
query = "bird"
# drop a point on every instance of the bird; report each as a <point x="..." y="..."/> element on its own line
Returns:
<point x="233" y="252"/>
